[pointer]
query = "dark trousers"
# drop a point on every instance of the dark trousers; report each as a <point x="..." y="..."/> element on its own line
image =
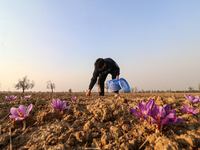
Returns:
<point x="101" y="80"/>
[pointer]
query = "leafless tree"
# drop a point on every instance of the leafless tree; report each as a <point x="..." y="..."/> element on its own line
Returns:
<point x="50" y="85"/>
<point x="24" y="84"/>
<point x="132" y="90"/>
<point x="190" y="89"/>
<point x="136" y="89"/>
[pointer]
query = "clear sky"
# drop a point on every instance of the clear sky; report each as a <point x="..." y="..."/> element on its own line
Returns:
<point x="155" y="43"/>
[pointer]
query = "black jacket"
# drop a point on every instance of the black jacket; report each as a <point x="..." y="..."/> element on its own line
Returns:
<point x="111" y="66"/>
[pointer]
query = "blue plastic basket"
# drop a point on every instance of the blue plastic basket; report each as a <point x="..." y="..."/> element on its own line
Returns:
<point x="113" y="85"/>
<point x="124" y="84"/>
<point x="117" y="84"/>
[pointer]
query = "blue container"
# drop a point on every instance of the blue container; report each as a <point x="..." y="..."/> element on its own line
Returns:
<point x="117" y="84"/>
<point x="113" y="85"/>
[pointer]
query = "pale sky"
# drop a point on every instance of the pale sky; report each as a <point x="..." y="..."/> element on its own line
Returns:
<point x="155" y="43"/>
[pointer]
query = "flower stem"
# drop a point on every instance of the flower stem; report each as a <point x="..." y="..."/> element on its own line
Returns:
<point x="147" y="121"/>
<point x="24" y="125"/>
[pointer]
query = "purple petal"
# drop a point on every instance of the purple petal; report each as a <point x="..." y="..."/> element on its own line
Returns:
<point x="154" y="120"/>
<point x="7" y="97"/>
<point x="190" y="98"/>
<point x="19" y="118"/>
<point x="167" y="121"/>
<point x="59" y="102"/>
<point x="13" y="116"/>
<point x="54" y="102"/>
<point x="162" y="112"/>
<point x="186" y="96"/>
<point x="63" y="104"/>
<point x="171" y="115"/>
<point x="58" y="110"/>
<point x="179" y="120"/>
<point x="195" y="111"/>
<point x="29" y="109"/>
<point x="195" y="100"/>
<point x="135" y="112"/>
<point x="167" y="107"/>
<point x="73" y="98"/>
<point x="184" y="110"/>
<point x="150" y="104"/>
<point x="137" y="107"/>
<point x="15" y="97"/>
<point x="22" y="109"/>
<point x="66" y="107"/>
<point x="155" y="111"/>
<point x="132" y="110"/>
<point x="191" y="109"/>
<point x="185" y="107"/>
<point x="14" y="111"/>
<point x="142" y="107"/>
<point x="53" y="106"/>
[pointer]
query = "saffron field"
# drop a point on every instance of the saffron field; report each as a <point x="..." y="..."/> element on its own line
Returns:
<point x="96" y="122"/>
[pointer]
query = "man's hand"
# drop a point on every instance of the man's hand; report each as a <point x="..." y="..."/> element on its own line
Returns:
<point x="117" y="77"/>
<point x="88" y="92"/>
<point x="99" y="89"/>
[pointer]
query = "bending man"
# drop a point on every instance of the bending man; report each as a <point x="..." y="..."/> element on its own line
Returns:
<point x="102" y="68"/>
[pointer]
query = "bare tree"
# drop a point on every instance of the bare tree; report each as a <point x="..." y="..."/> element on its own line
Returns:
<point x="132" y="89"/>
<point x="136" y="89"/>
<point x="24" y="84"/>
<point x="50" y="85"/>
<point x="190" y="89"/>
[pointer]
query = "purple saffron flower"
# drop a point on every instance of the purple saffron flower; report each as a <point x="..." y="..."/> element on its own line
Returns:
<point x="188" y="110"/>
<point x="11" y="98"/>
<point x="27" y="97"/>
<point x="59" y="105"/>
<point x="164" y="116"/>
<point x="193" y="100"/>
<point x="73" y="98"/>
<point x="144" y="109"/>
<point x="20" y="113"/>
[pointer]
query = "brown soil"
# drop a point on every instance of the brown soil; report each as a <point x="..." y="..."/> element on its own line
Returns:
<point x="96" y="122"/>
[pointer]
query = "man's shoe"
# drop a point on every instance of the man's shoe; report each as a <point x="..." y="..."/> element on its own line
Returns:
<point x="116" y="94"/>
<point x="101" y="94"/>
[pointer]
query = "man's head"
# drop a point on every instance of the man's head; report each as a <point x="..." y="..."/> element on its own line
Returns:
<point x="100" y="64"/>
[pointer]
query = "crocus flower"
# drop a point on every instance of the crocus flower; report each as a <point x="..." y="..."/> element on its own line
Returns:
<point x="11" y="98"/>
<point x="144" y="109"/>
<point x="59" y="105"/>
<point x="193" y="100"/>
<point x="27" y="97"/>
<point x="188" y="110"/>
<point x="20" y="113"/>
<point x="164" y="116"/>
<point x="73" y="98"/>
<point x="21" y="98"/>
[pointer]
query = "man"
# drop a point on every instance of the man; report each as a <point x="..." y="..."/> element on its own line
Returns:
<point x="102" y="68"/>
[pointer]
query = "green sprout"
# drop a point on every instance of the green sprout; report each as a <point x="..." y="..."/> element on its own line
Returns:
<point x="100" y="114"/>
<point x="116" y="138"/>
